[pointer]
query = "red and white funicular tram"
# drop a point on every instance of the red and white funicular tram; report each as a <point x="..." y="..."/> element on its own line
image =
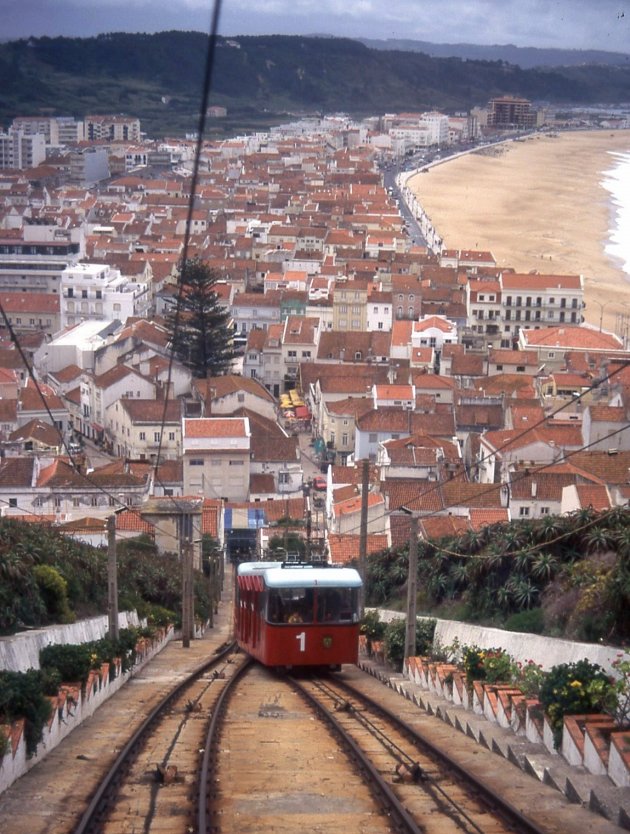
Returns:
<point x="298" y="614"/>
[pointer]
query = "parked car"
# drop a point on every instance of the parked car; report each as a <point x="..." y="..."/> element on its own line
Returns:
<point x="319" y="483"/>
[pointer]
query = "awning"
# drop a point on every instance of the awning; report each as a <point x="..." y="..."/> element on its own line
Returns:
<point x="302" y="412"/>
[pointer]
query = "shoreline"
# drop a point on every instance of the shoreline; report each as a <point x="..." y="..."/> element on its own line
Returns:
<point x="541" y="205"/>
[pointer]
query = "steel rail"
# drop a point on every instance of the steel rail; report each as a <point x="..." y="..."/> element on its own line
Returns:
<point x="210" y="751"/>
<point x="89" y="821"/>
<point x="492" y="799"/>
<point x="400" y="817"/>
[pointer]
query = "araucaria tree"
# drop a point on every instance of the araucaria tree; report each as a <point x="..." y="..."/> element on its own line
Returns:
<point x="201" y="337"/>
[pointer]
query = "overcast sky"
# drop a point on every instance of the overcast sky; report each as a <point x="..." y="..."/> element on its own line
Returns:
<point x="577" y="24"/>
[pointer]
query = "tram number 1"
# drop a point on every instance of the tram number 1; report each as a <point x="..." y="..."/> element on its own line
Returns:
<point x="301" y="638"/>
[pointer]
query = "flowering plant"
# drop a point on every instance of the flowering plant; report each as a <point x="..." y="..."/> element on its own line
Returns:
<point x="490" y="665"/>
<point x="529" y="677"/>
<point x="619" y="707"/>
<point x="573" y="688"/>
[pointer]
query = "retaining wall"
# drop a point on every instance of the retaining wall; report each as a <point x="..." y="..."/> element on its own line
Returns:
<point x="20" y="652"/>
<point x="70" y="708"/>
<point x="547" y="651"/>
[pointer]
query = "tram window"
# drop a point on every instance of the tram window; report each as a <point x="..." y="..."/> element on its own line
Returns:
<point x="337" y="605"/>
<point x="275" y="607"/>
<point x="290" y="605"/>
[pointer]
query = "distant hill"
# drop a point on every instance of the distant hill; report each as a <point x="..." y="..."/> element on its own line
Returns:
<point x="526" y="57"/>
<point x="262" y="80"/>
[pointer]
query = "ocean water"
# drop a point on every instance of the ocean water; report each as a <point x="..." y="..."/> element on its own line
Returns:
<point x="617" y="182"/>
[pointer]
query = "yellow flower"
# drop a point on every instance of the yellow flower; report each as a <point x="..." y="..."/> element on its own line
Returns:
<point x="575" y="683"/>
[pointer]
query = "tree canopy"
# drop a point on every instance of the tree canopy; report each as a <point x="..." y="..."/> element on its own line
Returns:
<point x="200" y="331"/>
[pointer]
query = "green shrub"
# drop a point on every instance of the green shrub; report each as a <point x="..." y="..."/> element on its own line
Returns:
<point x="4" y="744"/>
<point x="73" y="663"/>
<point x="372" y="626"/>
<point x="395" y="636"/>
<point x="53" y="590"/>
<point x="22" y="696"/>
<point x="574" y="688"/>
<point x="529" y="621"/>
<point x="156" y="615"/>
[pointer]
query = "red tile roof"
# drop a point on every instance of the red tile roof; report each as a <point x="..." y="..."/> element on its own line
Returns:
<point x="215" y="427"/>
<point x="345" y="548"/>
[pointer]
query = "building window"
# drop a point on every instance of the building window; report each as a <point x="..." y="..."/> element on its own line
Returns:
<point x="523" y="511"/>
<point x="196" y="462"/>
<point x="171" y="435"/>
<point x="156" y="436"/>
<point x="13" y="502"/>
<point x="142" y="435"/>
<point x="237" y="463"/>
<point x="372" y="437"/>
<point x="544" y="510"/>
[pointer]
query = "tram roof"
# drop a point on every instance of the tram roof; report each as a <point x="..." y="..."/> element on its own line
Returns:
<point x="285" y="575"/>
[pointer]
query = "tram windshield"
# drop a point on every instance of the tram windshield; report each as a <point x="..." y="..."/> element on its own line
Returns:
<point x="313" y="605"/>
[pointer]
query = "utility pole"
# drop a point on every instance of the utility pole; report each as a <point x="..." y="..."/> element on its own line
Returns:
<point x="363" y="532"/>
<point x="308" y="535"/>
<point x="187" y="593"/>
<point x="412" y="588"/>
<point x="112" y="579"/>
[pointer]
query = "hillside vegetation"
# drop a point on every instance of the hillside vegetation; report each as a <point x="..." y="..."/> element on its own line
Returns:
<point x="264" y="79"/>
<point x="48" y="578"/>
<point x="563" y="576"/>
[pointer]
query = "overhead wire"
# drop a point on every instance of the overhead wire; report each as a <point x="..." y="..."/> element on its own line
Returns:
<point x="212" y="39"/>
<point x="495" y="486"/>
<point x="207" y="84"/>
<point x="114" y="500"/>
<point x="203" y="110"/>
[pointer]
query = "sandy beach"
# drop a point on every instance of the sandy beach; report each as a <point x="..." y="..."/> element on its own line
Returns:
<point x="537" y="205"/>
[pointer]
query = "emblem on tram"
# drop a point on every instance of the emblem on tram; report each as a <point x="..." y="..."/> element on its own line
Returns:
<point x="327" y="642"/>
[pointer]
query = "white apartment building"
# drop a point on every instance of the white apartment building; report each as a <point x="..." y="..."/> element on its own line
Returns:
<point x="484" y="314"/>
<point x="57" y="130"/>
<point x="216" y="457"/>
<point x="437" y="127"/>
<point x="89" y="166"/>
<point x="96" y="291"/>
<point x="534" y="301"/>
<point x="379" y="309"/>
<point x="113" y="128"/>
<point x="36" y="262"/>
<point x="19" y="150"/>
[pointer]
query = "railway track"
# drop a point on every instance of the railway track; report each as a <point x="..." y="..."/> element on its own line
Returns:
<point x="236" y="747"/>
<point x="429" y="785"/>
<point x="276" y="768"/>
<point x="164" y="752"/>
